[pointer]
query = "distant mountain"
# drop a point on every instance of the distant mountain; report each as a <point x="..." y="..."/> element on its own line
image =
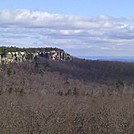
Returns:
<point x="109" y="58"/>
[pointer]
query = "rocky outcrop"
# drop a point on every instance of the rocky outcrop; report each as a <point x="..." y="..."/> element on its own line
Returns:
<point x="55" y="55"/>
<point x="10" y="57"/>
<point x="20" y="56"/>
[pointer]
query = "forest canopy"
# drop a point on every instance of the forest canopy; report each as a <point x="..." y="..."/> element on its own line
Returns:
<point x="17" y="49"/>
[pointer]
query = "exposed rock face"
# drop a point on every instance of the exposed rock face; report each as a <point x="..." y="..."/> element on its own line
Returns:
<point x="20" y="56"/>
<point x="55" y="55"/>
<point x="11" y="57"/>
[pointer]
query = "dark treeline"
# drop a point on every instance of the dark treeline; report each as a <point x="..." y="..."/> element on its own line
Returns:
<point x="16" y="49"/>
<point x="70" y="97"/>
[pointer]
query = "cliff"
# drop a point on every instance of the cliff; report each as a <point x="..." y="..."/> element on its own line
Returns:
<point x="16" y="55"/>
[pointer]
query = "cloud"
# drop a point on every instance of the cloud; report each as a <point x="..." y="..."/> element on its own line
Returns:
<point x="76" y="34"/>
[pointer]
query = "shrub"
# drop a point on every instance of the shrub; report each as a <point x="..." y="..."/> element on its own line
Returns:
<point x="69" y="92"/>
<point x="60" y="93"/>
<point x="10" y="90"/>
<point x="9" y="71"/>
<point x="1" y="91"/>
<point x="76" y="91"/>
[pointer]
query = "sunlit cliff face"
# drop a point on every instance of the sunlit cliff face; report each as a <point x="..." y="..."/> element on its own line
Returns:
<point x="16" y="57"/>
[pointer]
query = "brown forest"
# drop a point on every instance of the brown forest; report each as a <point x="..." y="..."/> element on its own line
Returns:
<point x="67" y="97"/>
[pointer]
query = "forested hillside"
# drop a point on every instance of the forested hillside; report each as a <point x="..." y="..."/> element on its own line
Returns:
<point x="71" y="97"/>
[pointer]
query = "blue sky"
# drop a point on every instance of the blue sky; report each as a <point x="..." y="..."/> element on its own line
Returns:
<point x="81" y="27"/>
<point x="74" y="7"/>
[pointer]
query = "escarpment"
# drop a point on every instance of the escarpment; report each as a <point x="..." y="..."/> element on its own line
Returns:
<point x="16" y="55"/>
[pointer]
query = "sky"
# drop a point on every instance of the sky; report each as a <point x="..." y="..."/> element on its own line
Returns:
<point x="80" y="27"/>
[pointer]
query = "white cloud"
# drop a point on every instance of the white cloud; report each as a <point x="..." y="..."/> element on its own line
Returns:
<point x="27" y="28"/>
